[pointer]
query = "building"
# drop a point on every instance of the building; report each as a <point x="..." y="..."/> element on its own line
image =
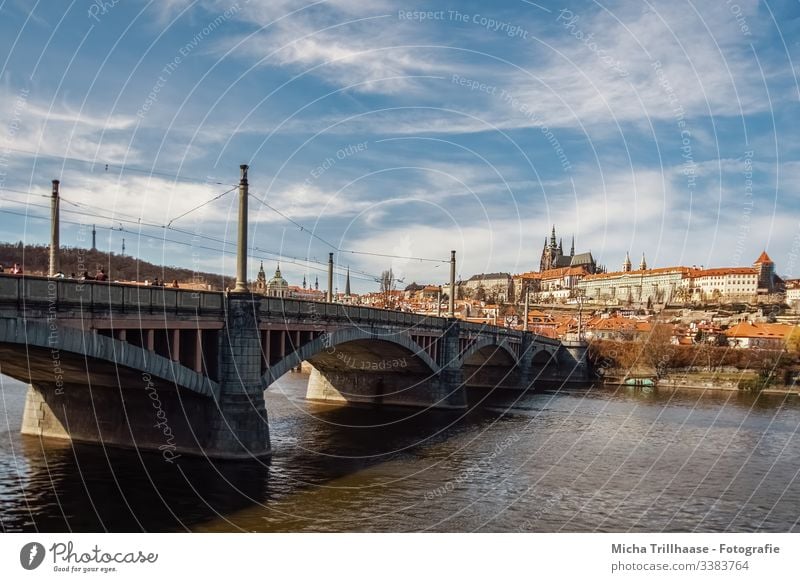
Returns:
<point x="494" y="287"/>
<point x="725" y="284"/>
<point x="748" y="334"/>
<point x="275" y="287"/>
<point x="766" y="273"/>
<point x="628" y="287"/>
<point x="680" y="284"/>
<point x="793" y="293"/>
<point x="553" y="256"/>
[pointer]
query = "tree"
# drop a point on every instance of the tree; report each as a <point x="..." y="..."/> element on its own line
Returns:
<point x="387" y="282"/>
<point x="657" y="351"/>
<point x="480" y="293"/>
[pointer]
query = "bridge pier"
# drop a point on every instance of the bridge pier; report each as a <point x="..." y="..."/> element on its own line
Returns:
<point x="572" y="359"/>
<point x="239" y="427"/>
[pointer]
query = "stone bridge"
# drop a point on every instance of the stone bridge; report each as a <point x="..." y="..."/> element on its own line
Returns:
<point x="184" y="372"/>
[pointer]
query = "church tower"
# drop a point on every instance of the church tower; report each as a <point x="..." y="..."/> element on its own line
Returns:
<point x="643" y="264"/>
<point x="626" y="264"/>
<point x="261" y="280"/>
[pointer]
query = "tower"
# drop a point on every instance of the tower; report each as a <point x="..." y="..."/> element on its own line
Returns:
<point x="643" y="264"/>
<point x="94" y="238"/>
<point x="261" y="280"/>
<point x="572" y="247"/>
<point x="304" y="281"/>
<point x="347" y="283"/>
<point x="626" y="264"/>
<point x="316" y="283"/>
<point x="766" y="271"/>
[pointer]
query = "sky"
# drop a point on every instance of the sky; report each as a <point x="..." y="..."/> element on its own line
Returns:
<point x="391" y="133"/>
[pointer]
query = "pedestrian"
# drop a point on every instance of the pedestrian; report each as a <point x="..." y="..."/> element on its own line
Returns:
<point x="175" y="284"/>
<point x="101" y="275"/>
<point x="16" y="269"/>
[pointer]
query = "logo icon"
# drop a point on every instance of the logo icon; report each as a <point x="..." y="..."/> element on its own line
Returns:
<point x="31" y="555"/>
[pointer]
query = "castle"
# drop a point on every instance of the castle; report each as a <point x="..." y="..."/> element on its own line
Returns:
<point x="553" y="256"/>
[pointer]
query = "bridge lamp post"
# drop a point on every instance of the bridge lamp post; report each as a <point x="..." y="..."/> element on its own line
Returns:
<point x="330" y="278"/>
<point x="241" y="254"/>
<point x="451" y="311"/>
<point x="527" y="303"/>
<point x="54" y="231"/>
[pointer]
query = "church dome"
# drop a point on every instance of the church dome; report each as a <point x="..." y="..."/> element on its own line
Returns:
<point x="277" y="282"/>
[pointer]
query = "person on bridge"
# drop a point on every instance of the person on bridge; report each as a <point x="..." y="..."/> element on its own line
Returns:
<point x="16" y="269"/>
<point x="85" y="276"/>
<point x="175" y="284"/>
<point x="101" y="275"/>
<point x="1" y="268"/>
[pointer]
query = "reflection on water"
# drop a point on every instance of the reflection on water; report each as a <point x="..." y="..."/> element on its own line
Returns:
<point x="570" y="460"/>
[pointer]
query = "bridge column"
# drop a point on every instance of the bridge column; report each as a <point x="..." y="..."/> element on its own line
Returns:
<point x="240" y="429"/>
<point x="572" y="360"/>
<point x="527" y="348"/>
<point x="451" y="376"/>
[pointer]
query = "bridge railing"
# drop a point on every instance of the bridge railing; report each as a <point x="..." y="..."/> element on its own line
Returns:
<point x="288" y="308"/>
<point x="69" y="293"/>
<point x="73" y="294"/>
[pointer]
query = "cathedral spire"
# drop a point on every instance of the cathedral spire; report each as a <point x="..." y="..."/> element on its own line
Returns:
<point x="572" y="247"/>
<point x="560" y="247"/>
<point x="304" y="281"/>
<point x="643" y="264"/>
<point x="553" y="237"/>
<point x="626" y="264"/>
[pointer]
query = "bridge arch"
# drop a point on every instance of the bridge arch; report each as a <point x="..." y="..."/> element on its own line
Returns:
<point x="493" y="350"/>
<point x="342" y="343"/>
<point x="19" y="337"/>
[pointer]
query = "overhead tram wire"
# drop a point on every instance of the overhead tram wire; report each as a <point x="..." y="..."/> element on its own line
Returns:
<point x="123" y="167"/>
<point x="339" y="249"/>
<point x="302" y="227"/>
<point x="214" y="199"/>
<point x="288" y="259"/>
<point x="294" y="222"/>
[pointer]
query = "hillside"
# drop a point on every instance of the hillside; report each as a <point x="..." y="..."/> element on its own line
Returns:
<point x="35" y="260"/>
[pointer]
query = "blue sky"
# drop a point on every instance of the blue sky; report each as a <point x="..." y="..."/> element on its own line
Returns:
<point x="669" y="128"/>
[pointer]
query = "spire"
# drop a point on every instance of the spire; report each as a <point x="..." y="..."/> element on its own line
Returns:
<point x="304" y="281"/>
<point x="643" y="264"/>
<point x="560" y="247"/>
<point x="553" y="237"/>
<point x="626" y="264"/>
<point x="572" y="247"/>
<point x="316" y="283"/>
<point x="347" y="283"/>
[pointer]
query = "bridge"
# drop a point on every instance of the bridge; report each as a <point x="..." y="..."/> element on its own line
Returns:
<point x="184" y="372"/>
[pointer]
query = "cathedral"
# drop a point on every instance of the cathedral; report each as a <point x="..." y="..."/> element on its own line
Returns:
<point x="553" y="256"/>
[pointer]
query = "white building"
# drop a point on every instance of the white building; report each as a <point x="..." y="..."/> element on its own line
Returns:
<point x="793" y="293"/>
<point x="654" y="285"/>
<point x="724" y="284"/>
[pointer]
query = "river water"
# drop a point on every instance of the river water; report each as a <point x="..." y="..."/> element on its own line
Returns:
<point x="580" y="459"/>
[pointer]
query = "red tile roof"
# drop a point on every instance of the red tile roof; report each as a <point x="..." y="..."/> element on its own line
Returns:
<point x="763" y="258"/>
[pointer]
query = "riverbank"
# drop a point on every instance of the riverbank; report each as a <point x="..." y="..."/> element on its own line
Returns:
<point x="742" y="381"/>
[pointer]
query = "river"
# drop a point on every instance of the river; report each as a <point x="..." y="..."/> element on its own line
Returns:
<point x="579" y="459"/>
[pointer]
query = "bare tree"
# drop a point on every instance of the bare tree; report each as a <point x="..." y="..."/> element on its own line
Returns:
<point x="387" y="287"/>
